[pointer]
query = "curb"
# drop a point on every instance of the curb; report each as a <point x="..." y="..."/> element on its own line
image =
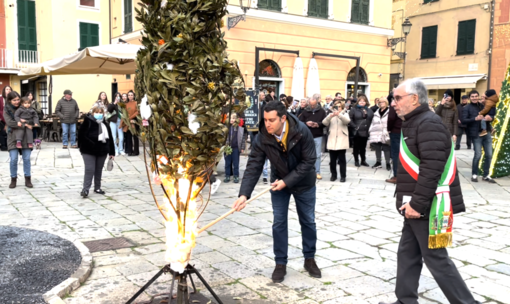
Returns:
<point x="54" y="296"/>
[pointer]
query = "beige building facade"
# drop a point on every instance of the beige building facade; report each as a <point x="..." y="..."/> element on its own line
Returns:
<point x="448" y="46"/>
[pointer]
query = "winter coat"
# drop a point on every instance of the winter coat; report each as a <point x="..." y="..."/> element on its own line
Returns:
<point x="132" y="110"/>
<point x="460" y="108"/>
<point x="394" y="122"/>
<point x="430" y="141"/>
<point x="113" y="110"/>
<point x="317" y="115"/>
<point x="270" y="98"/>
<point x="88" y="138"/>
<point x="241" y="138"/>
<point x="296" y="166"/>
<point x="299" y="111"/>
<point x="338" y="133"/>
<point x="474" y="127"/>
<point x="490" y="102"/>
<point x="360" y="121"/>
<point x="2" y="107"/>
<point x="68" y="111"/>
<point x="379" y="128"/>
<point x="9" y="112"/>
<point x="30" y="115"/>
<point x="449" y="116"/>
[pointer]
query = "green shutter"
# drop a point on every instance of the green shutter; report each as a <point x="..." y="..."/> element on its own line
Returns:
<point x="128" y="16"/>
<point x="318" y="8"/>
<point x="276" y="5"/>
<point x="324" y="8"/>
<point x="365" y="11"/>
<point x="312" y="8"/>
<point x="429" y="42"/>
<point x="89" y="35"/>
<point x="263" y="4"/>
<point x="27" y="33"/>
<point x="356" y="11"/>
<point x="466" y="37"/>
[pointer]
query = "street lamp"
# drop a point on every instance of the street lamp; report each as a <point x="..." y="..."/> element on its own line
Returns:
<point x="406" y="29"/>
<point x="233" y="21"/>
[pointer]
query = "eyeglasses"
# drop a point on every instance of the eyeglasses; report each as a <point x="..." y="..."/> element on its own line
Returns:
<point x="399" y="98"/>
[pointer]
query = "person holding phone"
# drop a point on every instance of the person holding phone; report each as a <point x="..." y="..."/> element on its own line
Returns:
<point x="338" y="139"/>
<point x="113" y="118"/>
<point x="447" y="110"/>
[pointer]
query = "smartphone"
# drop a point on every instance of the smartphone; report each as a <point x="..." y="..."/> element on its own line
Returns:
<point x="445" y="96"/>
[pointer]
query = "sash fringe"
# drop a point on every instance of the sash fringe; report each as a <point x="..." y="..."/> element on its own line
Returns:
<point x="442" y="240"/>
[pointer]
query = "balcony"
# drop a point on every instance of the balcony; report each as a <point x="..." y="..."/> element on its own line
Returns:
<point x="15" y="60"/>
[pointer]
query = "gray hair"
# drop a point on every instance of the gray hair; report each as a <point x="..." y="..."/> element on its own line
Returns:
<point x="417" y="87"/>
<point x="316" y="96"/>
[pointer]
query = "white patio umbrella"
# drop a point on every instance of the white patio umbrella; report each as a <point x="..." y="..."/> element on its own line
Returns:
<point x="298" y="80"/>
<point x="313" y="84"/>
<point x="103" y="59"/>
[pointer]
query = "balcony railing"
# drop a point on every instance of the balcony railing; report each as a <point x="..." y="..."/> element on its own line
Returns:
<point x="12" y="59"/>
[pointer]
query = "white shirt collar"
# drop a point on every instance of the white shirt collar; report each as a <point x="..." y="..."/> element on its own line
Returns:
<point x="283" y="132"/>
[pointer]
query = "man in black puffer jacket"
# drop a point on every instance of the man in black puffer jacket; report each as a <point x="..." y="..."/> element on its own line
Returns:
<point x="429" y="141"/>
<point x="289" y="146"/>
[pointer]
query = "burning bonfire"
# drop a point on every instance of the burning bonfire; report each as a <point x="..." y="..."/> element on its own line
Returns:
<point x="183" y="80"/>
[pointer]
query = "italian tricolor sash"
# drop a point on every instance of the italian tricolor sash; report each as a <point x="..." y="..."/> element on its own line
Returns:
<point x="441" y="214"/>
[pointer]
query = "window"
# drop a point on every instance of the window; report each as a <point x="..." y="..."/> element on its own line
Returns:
<point x="27" y="34"/>
<point x="274" y="5"/>
<point x="429" y="42"/>
<point x="128" y="16"/>
<point x="466" y="38"/>
<point x="269" y="68"/>
<point x="43" y="97"/>
<point x="362" y="75"/>
<point x="318" y="8"/>
<point x="428" y="1"/>
<point x="128" y="76"/>
<point x="89" y="35"/>
<point x="91" y="3"/>
<point x="360" y="10"/>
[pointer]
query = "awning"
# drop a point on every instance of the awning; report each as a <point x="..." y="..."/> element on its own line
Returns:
<point x="453" y="82"/>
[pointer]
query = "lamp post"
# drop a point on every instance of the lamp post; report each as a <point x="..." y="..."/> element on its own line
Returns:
<point x="406" y="28"/>
<point x="233" y="21"/>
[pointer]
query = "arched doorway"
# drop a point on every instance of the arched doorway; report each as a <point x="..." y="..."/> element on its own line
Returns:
<point x="270" y="77"/>
<point x="363" y="85"/>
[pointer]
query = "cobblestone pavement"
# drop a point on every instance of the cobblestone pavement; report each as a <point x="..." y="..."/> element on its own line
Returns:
<point x="358" y="232"/>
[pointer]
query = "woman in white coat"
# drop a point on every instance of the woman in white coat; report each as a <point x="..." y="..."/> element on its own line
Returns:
<point x="379" y="137"/>
<point x="338" y="138"/>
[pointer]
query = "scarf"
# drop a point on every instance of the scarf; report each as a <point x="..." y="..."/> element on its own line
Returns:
<point x="441" y="214"/>
<point x="103" y="132"/>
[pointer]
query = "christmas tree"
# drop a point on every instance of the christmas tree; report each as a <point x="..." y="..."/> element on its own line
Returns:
<point x="183" y="80"/>
<point x="500" y="165"/>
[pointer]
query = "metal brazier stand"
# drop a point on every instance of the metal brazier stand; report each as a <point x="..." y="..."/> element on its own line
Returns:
<point x="183" y="296"/>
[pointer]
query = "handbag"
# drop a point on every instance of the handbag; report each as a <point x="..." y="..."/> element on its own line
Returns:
<point x="109" y="166"/>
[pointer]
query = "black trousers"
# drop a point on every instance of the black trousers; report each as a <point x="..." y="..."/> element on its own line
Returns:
<point x="412" y="252"/>
<point x="461" y="131"/>
<point x="334" y="157"/>
<point x="129" y="138"/>
<point x="360" y="148"/>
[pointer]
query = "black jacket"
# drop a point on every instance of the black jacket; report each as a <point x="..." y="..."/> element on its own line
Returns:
<point x="394" y="122"/>
<point x="317" y="115"/>
<point x="460" y="108"/>
<point x="430" y="141"/>
<point x="296" y="167"/>
<point x="113" y="108"/>
<point x="473" y="127"/>
<point x="88" y="138"/>
<point x="362" y="124"/>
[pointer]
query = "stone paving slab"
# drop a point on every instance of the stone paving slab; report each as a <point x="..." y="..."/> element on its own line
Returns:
<point x="358" y="232"/>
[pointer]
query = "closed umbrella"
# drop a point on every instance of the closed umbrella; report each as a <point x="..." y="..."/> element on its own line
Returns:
<point x="298" y="80"/>
<point x="103" y="59"/>
<point x="313" y="85"/>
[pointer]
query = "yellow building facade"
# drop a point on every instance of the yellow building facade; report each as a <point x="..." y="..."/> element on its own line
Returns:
<point x="339" y="27"/>
<point x="448" y="46"/>
<point x="61" y="27"/>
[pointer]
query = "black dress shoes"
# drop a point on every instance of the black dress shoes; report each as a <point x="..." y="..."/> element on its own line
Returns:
<point x="279" y="273"/>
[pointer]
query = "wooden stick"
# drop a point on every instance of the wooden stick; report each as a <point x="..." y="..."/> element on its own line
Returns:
<point x="232" y="211"/>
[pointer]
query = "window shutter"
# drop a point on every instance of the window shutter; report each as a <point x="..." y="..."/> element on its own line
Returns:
<point x="312" y="8"/>
<point x="461" y="39"/>
<point x="93" y="35"/>
<point x="128" y="16"/>
<point x="324" y="9"/>
<point x="425" y="43"/>
<point x="433" y="41"/>
<point x="365" y="11"/>
<point x="263" y="4"/>
<point x="355" y="11"/>
<point x="27" y="29"/>
<point x="429" y="42"/>
<point x="89" y="35"/>
<point x="470" y="36"/>
<point x="84" y="35"/>
<point x="276" y="5"/>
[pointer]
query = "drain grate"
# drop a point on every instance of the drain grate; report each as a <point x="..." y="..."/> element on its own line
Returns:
<point x="108" y="244"/>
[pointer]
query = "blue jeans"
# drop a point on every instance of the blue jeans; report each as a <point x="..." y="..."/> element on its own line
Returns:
<point x="484" y="124"/>
<point x="265" y="174"/>
<point x="25" y="154"/>
<point x="486" y="143"/>
<point x="65" y="133"/>
<point x="232" y="159"/>
<point x="318" y="151"/>
<point x="305" y="206"/>
<point x="394" y="151"/>
<point x="116" y="130"/>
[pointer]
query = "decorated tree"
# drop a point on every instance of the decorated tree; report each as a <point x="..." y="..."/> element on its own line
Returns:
<point x="500" y="165"/>
<point x="183" y="80"/>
